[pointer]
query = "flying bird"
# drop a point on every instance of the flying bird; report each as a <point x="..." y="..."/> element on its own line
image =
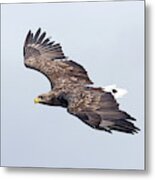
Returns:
<point x="72" y="88"/>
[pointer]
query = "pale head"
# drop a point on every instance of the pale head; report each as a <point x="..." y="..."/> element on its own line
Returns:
<point x="46" y="98"/>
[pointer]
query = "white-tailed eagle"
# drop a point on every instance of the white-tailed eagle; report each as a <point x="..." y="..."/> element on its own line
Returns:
<point x="71" y="87"/>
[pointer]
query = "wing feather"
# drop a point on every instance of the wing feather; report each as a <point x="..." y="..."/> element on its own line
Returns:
<point x="46" y="50"/>
<point x="41" y="38"/>
<point x="102" y="112"/>
<point x="40" y="54"/>
<point x="45" y="42"/>
<point x="37" y="35"/>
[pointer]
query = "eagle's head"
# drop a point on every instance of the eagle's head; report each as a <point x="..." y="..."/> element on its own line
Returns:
<point x="46" y="98"/>
<point x="50" y="98"/>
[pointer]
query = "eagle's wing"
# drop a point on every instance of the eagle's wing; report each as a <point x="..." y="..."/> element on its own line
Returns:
<point x="40" y="54"/>
<point x="101" y="111"/>
<point x="38" y="46"/>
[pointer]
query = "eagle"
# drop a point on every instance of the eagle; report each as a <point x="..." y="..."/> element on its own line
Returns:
<point x="71" y="87"/>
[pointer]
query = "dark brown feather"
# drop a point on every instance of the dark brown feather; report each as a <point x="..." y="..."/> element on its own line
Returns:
<point x="37" y="35"/>
<point x="100" y="110"/>
<point x="69" y="81"/>
<point x="41" y="38"/>
<point x="45" y="42"/>
<point x="40" y="54"/>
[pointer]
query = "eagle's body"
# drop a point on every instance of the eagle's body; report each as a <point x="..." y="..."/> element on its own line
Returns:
<point x="70" y="87"/>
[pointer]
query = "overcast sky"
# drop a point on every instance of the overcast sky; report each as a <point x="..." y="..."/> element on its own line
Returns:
<point x="107" y="38"/>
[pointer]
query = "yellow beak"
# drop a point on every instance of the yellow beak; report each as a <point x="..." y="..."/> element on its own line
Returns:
<point x="37" y="100"/>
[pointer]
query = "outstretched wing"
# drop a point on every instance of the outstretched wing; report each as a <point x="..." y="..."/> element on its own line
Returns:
<point x="37" y="46"/>
<point x="40" y="54"/>
<point x="101" y="111"/>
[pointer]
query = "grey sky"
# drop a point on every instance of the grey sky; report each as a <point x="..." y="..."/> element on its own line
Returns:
<point x="107" y="38"/>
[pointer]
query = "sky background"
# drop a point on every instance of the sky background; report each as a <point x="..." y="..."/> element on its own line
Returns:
<point x="107" y="38"/>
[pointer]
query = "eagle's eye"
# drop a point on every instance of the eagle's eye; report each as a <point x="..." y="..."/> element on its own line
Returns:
<point x="41" y="97"/>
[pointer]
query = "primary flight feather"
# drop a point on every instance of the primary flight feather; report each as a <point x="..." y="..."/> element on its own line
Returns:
<point x="71" y="87"/>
